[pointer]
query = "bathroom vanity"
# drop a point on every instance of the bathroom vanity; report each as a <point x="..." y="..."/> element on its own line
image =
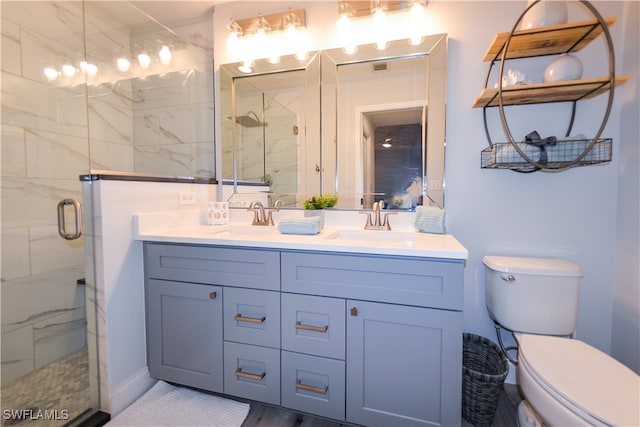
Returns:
<point x="353" y="330"/>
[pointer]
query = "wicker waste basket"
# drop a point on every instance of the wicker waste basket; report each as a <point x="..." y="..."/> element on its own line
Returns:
<point x="484" y="368"/>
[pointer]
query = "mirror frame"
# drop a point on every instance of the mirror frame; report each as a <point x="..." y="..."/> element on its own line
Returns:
<point x="434" y="49"/>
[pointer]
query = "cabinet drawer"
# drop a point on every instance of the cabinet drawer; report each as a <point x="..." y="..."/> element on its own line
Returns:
<point x="399" y="280"/>
<point x="313" y="325"/>
<point x="252" y="316"/>
<point x="252" y="372"/>
<point x="313" y="384"/>
<point x="213" y="265"/>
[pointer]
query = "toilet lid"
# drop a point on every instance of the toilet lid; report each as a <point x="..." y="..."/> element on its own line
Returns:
<point x="593" y="382"/>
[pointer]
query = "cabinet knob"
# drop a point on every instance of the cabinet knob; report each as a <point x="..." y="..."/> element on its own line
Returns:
<point x="212" y="295"/>
<point x="354" y="311"/>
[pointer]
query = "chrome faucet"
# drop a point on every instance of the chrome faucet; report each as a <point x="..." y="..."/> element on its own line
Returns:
<point x="262" y="216"/>
<point x="378" y="222"/>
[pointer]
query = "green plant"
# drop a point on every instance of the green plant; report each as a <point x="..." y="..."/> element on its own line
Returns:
<point x="320" y="202"/>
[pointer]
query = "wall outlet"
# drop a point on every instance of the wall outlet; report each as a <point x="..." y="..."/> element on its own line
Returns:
<point x="187" y="198"/>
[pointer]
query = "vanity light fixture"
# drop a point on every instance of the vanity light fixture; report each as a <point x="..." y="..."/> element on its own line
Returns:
<point x="261" y="36"/>
<point x="378" y="10"/>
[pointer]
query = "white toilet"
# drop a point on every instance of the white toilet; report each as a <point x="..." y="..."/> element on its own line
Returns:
<point x="565" y="382"/>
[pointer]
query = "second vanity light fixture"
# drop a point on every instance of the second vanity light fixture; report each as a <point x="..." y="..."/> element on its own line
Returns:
<point x="378" y="10"/>
<point x="268" y="35"/>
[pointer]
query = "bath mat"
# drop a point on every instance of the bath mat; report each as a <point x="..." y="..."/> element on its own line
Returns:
<point x="168" y="405"/>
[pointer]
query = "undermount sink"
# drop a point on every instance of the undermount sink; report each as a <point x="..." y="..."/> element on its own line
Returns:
<point x="386" y="236"/>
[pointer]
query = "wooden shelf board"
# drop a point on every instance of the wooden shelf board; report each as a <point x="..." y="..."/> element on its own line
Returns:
<point x="538" y="93"/>
<point x="550" y="40"/>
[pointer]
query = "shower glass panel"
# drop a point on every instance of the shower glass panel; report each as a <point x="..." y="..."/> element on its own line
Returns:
<point x="71" y="105"/>
<point x="45" y="148"/>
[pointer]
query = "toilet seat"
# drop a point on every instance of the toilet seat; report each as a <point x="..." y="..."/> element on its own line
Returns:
<point x="589" y="383"/>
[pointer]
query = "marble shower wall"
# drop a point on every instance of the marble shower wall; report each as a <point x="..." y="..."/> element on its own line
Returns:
<point x="158" y="121"/>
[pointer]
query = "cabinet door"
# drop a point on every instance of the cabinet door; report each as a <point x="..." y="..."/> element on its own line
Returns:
<point x="404" y="365"/>
<point x="184" y="333"/>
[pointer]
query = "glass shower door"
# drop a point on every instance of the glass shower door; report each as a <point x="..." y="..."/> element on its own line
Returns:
<point x="45" y="148"/>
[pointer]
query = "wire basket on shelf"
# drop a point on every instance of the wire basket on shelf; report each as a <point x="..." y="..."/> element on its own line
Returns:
<point x="484" y="369"/>
<point x="505" y="156"/>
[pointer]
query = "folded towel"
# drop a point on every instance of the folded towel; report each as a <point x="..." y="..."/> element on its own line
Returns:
<point x="430" y="219"/>
<point x="309" y="225"/>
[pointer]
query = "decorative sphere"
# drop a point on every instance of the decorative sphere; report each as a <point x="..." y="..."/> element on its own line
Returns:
<point x="565" y="67"/>
<point x="545" y="13"/>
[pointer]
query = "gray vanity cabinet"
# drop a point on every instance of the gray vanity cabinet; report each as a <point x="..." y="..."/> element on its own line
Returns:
<point x="371" y="339"/>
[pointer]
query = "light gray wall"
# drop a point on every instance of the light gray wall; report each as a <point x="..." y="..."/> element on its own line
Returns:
<point x="625" y="338"/>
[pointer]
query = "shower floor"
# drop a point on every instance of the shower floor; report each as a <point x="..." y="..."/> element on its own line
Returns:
<point x="50" y="396"/>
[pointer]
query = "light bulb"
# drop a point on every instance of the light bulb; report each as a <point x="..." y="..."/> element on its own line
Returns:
<point x="379" y="21"/>
<point x="91" y="69"/>
<point x="69" y="70"/>
<point x="123" y="64"/>
<point x="165" y="55"/>
<point x="144" y="60"/>
<point x="51" y="74"/>
<point x="416" y="22"/>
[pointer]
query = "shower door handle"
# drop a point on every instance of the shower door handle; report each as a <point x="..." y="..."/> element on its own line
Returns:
<point x="77" y="210"/>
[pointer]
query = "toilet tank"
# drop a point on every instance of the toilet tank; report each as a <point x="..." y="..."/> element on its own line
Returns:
<point x="533" y="295"/>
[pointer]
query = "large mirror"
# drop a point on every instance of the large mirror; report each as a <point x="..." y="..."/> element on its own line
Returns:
<point x="383" y="124"/>
<point x="372" y="129"/>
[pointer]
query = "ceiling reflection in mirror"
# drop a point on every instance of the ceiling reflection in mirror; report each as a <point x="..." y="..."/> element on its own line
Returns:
<point x="371" y="129"/>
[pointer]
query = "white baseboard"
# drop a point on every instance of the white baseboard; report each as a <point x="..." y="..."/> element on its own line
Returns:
<point x="129" y="390"/>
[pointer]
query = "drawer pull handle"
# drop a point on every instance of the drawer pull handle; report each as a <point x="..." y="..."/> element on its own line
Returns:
<point x="256" y="377"/>
<point x="304" y="327"/>
<point x="241" y="318"/>
<point x="318" y="390"/>
<point x="212" y="295"/>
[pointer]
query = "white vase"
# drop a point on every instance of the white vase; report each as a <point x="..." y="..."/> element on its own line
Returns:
<point x="547" y="12"/>
<point x="565" y="67"/>
<point x="316" y="212"/>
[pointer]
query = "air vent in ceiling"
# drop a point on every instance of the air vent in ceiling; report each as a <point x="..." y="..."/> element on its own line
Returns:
<point x="379" y="66"/>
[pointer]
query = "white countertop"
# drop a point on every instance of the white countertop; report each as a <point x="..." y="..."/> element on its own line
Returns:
<point x="187" y="227"/>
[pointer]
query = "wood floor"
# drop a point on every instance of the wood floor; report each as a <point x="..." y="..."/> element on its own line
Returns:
<point x="269" y="416"/>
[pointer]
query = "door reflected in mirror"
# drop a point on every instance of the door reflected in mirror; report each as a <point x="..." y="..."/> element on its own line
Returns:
<point x="392" y="159"/>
